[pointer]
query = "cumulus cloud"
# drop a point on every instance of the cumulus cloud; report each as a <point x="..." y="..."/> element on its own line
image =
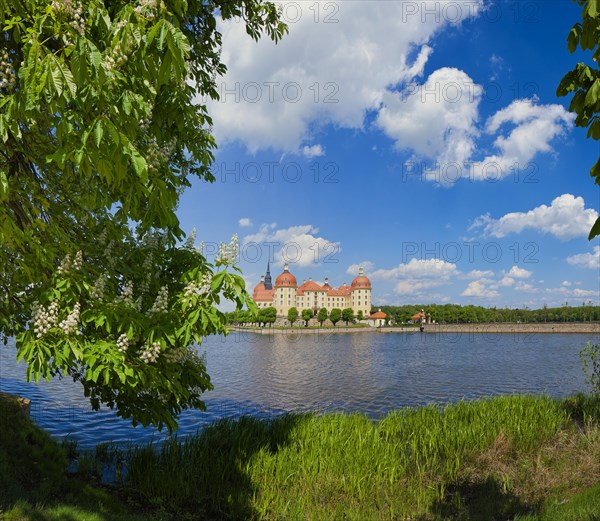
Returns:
<point x="586" y="260"/>
<point x="525" y="287"/>
<point x="575" y="292"/>
<point x="273" y="96"/>
<point x="245" y="222"/>
<point x="479" y="274"/>
<point x="313" y="151"/>
<point x="297" y="245"/>
<point x="478" y="289"/>
<point x="436" y="120"/>
<point x="565" y="218"/>
<point x="532" y="126"/>
<point x="417" y="276"/>
<point x="519" y="273"/>
<point x="366" y="265"/>
<point x="507" y="281"/>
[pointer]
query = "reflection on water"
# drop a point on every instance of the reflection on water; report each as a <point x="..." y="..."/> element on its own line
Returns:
<point x="371" y="372"/>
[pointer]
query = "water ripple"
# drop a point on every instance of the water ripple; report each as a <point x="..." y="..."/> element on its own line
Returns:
<point x="370" y="373"/>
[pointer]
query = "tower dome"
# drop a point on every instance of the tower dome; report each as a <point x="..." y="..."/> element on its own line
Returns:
<point x="286" y="279"/>
<point x="361" y="282"/>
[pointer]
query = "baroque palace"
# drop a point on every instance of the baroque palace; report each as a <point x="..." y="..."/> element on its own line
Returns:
<point x="286" y="293"/>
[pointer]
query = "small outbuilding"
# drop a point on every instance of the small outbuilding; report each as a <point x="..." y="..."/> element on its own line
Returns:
<point x="377" y="319"/>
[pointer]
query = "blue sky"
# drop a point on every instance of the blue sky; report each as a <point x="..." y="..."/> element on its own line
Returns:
<point x="422" y="140"/>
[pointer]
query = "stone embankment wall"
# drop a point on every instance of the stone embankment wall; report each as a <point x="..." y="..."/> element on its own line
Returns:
<point x="492" y="328"/>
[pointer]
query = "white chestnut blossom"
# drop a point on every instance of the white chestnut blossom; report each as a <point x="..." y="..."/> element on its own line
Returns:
<point x="191" y="239"/>
<point x="65" y="265"/>
<point x="194" y="289"/>
<point x="44" y="319"/>
<point x="97" y="292"/>
<point x="69" y="324"/>
<point x="147" y="270"/>
<point x="122" y="343"/>
<point x="8" y="78"/>
<point x="151" y="353"/>
<point x="161" y="304"/>
<point x="126" y="296"/>
<point x="73" y="10"/>
<point x="228" y="253"/>
<point x="78" y="261"/>
<point x="159" y="155"/>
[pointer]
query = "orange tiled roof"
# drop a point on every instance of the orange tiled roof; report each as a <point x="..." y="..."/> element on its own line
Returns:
<point x="286" y="279"/>
<point x="361" y="282"/>
<point x="377" y="315"/>
<point x="263" y="294"/>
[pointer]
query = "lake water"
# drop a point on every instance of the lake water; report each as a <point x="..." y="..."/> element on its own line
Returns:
<point x="373" y="373"/>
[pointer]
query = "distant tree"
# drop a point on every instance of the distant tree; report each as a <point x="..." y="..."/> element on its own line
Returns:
<point x="292" y="315"/>
<point x="261" y="317"/>
<point x="335" y="316"/>
<point x="270" y="315"/>
<point x="322" y="316"/>
<point x="584" y="81"/>
<point x="347" y="315"/>
<point x="360" y="315"/>
<point x="307" y="314"/>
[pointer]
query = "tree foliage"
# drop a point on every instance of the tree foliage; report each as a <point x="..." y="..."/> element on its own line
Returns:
<point x="100" y="132"/>
<point x="322" y="316"/>
<point x="335" y="316"/>
<point x="457" y="314"/>
<point x="292" y="315"/>
<point x="347" y="315"/>
<point x="584" y="81"/>
<point x="307" y="314"/>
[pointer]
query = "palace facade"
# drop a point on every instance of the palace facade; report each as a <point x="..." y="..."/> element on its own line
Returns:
<point x="286" y="293"/>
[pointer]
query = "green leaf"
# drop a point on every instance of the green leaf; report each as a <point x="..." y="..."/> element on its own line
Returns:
<point x="595" y="231"/>
<point x="98" y="132"/>
<point x="593" y="94"/>
<point x="217" y="281"/>
<point x="573" y="38"/>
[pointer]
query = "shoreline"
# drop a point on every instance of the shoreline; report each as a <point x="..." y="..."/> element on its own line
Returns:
<point x="483" y="328"/>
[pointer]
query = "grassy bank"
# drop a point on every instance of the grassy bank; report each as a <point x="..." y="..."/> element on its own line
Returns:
<point x="526" y="458"/>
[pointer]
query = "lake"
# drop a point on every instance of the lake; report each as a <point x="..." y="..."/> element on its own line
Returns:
<point x="372" y="373"/>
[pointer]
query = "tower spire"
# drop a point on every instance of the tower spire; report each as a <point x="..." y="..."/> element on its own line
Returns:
<point x="268" y="283"/>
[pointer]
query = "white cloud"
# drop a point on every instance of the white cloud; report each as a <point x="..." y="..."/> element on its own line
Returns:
<point x="528" y="288"/>
<point x="566" y="283"/>
<point x="534" y="128"/>
<point x="507" y="282"/>
<point x="273" y="96"/>
<point x="586" y="260"/>
<point x="313" y="151"/>
<point x="480" y="290"/>
<point x="575" y="292"/>
<point x="519" y="273"/>
<point x="245" y="222"/>
<point x="366" y="265"/>
<point x="416" y="276"/>
<point x="437" y="120"/>
<point x="479" y="274"/>
<point x="297" y="245"/>
<point x="565" y="218"/>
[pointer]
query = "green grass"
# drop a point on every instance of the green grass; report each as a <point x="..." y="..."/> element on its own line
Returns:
<point x="518" y="457"/>
<point x="487" y="459"/>
<point x="34" y="484"/>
